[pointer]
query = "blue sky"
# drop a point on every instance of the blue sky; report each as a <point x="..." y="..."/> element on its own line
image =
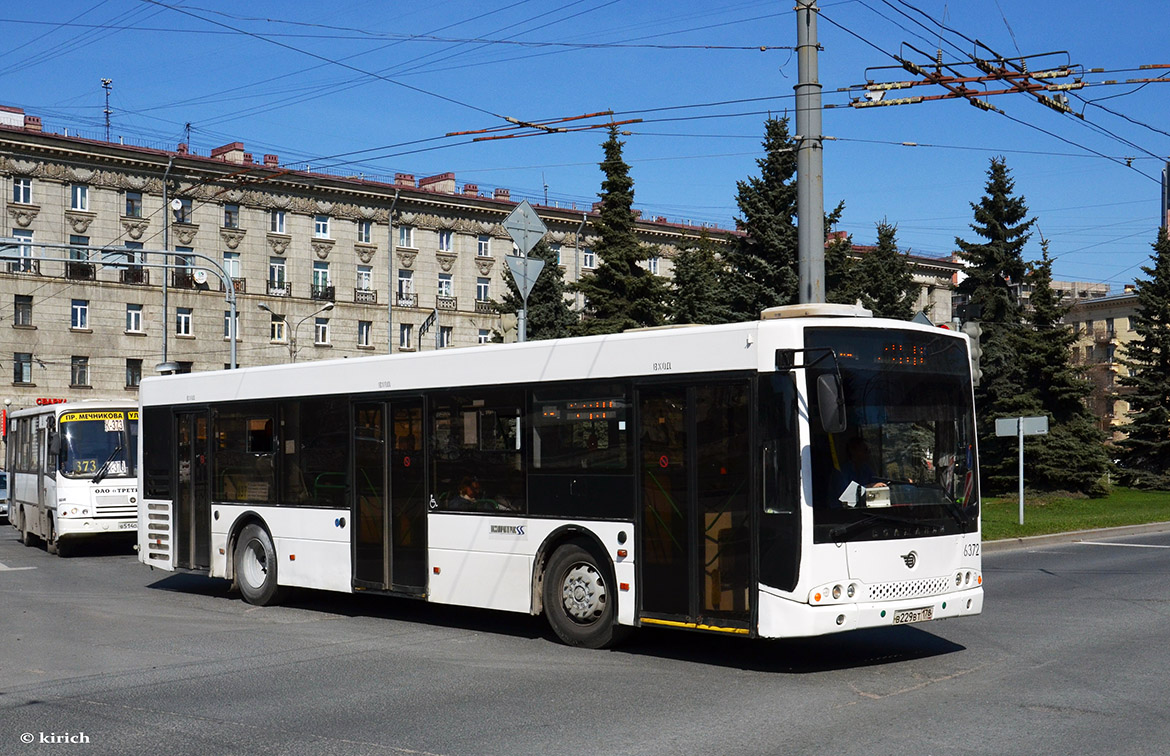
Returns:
<point x="308" y="81"/>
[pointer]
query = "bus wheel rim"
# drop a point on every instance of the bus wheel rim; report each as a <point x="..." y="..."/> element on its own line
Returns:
<point x="254" y="567"/>
<point x="583" y="593"/>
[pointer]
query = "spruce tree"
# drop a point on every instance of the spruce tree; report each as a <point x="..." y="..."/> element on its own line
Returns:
<point x="619" y="293"/>
<point x="886" y="278"/>
<point x="763" y="264"/>
<point x="1145" y="451"/>
<point x="696" y="295"/>
<point x="1072" y="456"/>
<point x="549" y="316"/>
<point x="993" y="267"/>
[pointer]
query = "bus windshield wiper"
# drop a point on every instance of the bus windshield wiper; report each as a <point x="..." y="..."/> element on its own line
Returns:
<point x="842" y="530"/>
<point x="101" y="473"/>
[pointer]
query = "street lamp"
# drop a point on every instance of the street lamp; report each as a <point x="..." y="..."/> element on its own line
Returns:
<point x="292" y="336"/>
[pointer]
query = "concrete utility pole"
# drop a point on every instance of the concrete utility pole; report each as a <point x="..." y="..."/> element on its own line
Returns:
<point x="810" y="179"/>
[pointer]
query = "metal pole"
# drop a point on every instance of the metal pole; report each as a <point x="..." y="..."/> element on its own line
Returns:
<point x="810" y="185"/>
<point x="166" y="248"/>
<point x="391" y="289"/>
<point x="1020" y="441"/>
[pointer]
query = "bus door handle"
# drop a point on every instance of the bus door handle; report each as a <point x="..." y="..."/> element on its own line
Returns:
<point x="572" y="486"/>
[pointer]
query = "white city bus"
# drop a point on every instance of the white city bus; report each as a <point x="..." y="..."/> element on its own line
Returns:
<point x="809" y="473"/>
<point x="72" y="472"/>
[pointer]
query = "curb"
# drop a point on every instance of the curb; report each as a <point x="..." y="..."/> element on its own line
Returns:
<point x="1073" y="536"/>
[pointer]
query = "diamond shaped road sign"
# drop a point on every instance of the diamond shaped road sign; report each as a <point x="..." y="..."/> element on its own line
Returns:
<point x="525" y="227"/>
<point x="525" y="271"/>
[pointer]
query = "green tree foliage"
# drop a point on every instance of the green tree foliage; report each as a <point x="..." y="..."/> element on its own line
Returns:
<point x="619" y="293"/>
<point x="994" y="265"/>
<point x="1072" y="457"/>
<point x="885" y="277"/>
<point x="697" y="295"/>
<point x="549" y="316"/>
<point x="1145" y="452"/>
<point x="763" y="265"/>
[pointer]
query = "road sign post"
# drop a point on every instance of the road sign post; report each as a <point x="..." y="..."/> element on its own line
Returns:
<point x="526" y="229"/>
<point x="1020" y="427"/>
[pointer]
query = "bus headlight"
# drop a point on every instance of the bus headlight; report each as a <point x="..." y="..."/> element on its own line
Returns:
<point x="836" y="591"/>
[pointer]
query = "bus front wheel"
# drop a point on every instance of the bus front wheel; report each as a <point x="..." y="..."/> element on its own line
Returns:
<point x="579" y="599"/>
<point x="255" y="558"/>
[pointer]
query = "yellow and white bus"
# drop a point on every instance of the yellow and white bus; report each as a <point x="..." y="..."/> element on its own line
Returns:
<point x="72" y="472"/>
<point x="808" y="473"/>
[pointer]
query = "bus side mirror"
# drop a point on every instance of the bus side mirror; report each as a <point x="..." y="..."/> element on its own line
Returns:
<point x="54" y="443"/>
<point x="830" y="397"/>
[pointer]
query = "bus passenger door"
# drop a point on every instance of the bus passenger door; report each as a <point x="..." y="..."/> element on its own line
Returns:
<point x="696" y="545"/>
<point x="390" y="508"/>
<point x="192" y="518"/>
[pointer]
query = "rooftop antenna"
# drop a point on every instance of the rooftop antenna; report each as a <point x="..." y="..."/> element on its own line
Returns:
<point x="545" y="188"/>
<point x="106" y="84"/>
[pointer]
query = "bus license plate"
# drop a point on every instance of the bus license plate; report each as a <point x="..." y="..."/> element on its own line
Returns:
<point x="127" y="525"/>
<point x="906" y="616"/>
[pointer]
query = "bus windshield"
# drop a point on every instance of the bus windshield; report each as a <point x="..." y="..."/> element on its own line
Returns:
<point x="905" y="464"/>
<point x="101" y="444"/>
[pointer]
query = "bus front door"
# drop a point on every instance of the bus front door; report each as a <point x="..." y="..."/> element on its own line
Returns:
<point x="695" y="555"/>
<point x="389" y="511"/>
<point x="193" y="492"/>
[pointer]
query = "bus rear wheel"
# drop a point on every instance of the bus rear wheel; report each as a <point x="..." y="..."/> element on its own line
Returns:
<point x="579" y="600"/>
<point x="255" y="566"/>
<point x="26" y="537"/>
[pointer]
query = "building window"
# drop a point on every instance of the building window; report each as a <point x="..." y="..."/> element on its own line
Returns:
<point x="364" y="231"/>
<point x="652" y="264"/>
<point x="133" y="373"/>
<point x="485" y="336"/>
<point x="133" y="318"/>
<point x="482" y="289"/>
<point x="227" y="324"/>
<point x="321" y="331"/>
<point x="276" y="221"/>
<point x="405" y="330"/>
<point x="22" y="191"/>
<point x="231" y="216"/>
<point x="321" y="227"/>
<point x="365" y="329"/>
<point x="183" y="212"/>
<point x="24" y="252"/>
<point x="446" y="285"/>
<point x="405" y="282"/>
<point x="79" y="315"/>
<point x="406" y="236"/>
<point x="183" y="321"/>
<point x="483" y="246"/>
<point x="321" y="280"/>
<point x="22" y="367"/>
<point x="22" y="310"/>
<point x="276" y="271"/>
<point x="231" y="264"/>
<point x="79" y="197"/>
<point x="556" y="248"/>
<point x="365" y="277"/>
<point x="444" y="336"/>
<point x="278" y="331"/>
<point x="134" y="205"/>
<point x="588" y="259"/>
<point x="446" y="241"/>
<point x="79" y="371"/>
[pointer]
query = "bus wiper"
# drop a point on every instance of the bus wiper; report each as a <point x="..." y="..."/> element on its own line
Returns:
<point x="101" y="473"/>
<point x="953" y="508"/>
<point x="842" y="530"/>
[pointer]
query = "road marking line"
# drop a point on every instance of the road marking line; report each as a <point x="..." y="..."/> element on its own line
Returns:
<point x="6" y="568"/>
<point x="1129" y="545"/>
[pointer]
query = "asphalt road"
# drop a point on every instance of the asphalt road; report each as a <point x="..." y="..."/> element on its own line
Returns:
<point x="1070" y="657"/>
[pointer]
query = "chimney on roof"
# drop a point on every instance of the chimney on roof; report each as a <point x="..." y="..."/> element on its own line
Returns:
<point x="470" y="190"/>
<point x="32" y="123"/>
<point x="182" y="149"/>
<point x="1130" y="289"/>
<point x="247" y="158"/>
<point x="502" y="194"/>
<point x="404" y="179"/>
<point x="271" y="161"/>
<point x="229" y="153"/>
<point x="443" y="182"/>
<point x="660" y="219"/>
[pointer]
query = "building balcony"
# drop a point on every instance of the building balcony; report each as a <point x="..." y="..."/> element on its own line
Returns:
<point x="365" y="296"/>
<point x="80" y="271"/>
<point x="485" y="307"/>
<point x="324" y="292"/>
<point x="279" y="289"/>
<point x="1105" y="336"/>
<point x="27" y="266"/>
<point x="183" y="280"/>
<point x="240" y="285"/>
<point x="407" y="299"/>
<point x="139" y="276"/>
<point x="445" y="302"/>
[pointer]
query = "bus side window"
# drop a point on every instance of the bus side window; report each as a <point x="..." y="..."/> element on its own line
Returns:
<point x="780" y="448"/>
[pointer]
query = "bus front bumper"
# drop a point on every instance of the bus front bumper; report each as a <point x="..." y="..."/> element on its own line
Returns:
<point x="784" y="618"/>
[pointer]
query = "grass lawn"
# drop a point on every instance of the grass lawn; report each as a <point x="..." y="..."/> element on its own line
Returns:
<point x="1051" y="513"/>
